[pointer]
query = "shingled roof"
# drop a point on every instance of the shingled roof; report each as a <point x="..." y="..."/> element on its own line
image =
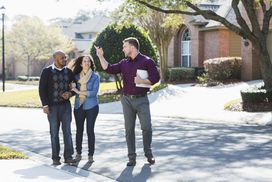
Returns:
<point x="220" y="7"/>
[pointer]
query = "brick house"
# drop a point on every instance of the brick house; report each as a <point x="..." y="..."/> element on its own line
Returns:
<point x="200" y="39"/>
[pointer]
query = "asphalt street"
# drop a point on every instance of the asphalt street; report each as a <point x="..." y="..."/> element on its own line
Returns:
<point x="185" y="150"/>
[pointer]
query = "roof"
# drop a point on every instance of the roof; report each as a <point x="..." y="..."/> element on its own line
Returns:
<point x="221" y="7"/>
<point x="91" y="26"/>
<point x="96" y="24"/>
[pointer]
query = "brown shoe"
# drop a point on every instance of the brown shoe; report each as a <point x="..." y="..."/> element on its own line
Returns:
<point x="90" y="159"/>
<point x="78" y="157"/>
<point x="71" y="160"/>
<point x="56" y="162"/>
<point x="150" y="159"/>
<point x="131" y="162"/>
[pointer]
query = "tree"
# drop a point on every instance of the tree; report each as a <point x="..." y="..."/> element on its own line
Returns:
<point x="82" y="15"/>
<point x="253" y="18"/>
<point x="160" y="27"/>
<point x="111" y="40"/>
<point x="31" y="40"/>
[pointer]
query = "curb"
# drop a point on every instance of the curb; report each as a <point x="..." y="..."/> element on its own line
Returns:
<point x="79" y="172"/>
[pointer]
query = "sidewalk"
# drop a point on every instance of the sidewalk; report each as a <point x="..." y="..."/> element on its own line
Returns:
<point x="27" y="170"/>
<point x="198" y="103"/>
<point x="40" y="168"/>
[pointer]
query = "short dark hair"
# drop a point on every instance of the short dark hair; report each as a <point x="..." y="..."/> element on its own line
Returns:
<point x="133" y="41"/>
<point x="58" y="52"/>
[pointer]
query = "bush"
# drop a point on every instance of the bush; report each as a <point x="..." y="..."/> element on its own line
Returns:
<point x="22" y="78"/>
<point x="223" y="68"/>
<point x="179" y="74"/>
<point x="202" y="79"/>
<point x="30" y="78"/>
<point x="159" y="87"/>
<point x="256" y="95"/>
<point x="111" y="40"/>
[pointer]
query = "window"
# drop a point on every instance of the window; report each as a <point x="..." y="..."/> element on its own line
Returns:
<point x="185" y="49"/>
<point x="78" y="36"/>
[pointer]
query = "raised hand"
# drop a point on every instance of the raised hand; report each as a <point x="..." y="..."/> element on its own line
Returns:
<point x="99" y="51"/>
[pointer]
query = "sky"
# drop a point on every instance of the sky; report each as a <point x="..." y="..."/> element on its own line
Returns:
<point x="48" y="9"/>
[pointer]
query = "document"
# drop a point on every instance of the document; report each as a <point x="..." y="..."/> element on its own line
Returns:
<point x="143" y="74"/>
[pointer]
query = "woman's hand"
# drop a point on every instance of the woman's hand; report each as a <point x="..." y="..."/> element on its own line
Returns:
<point x="72" y="85"/>
<point x="76" y="90"/>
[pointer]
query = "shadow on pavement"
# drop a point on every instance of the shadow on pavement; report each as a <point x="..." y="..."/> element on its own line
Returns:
<point x="180" y="148"/>
<point x="127" y="175"/>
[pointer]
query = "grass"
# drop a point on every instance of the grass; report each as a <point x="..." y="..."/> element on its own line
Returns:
<point x="30" y="98"/>
<point x="23" y="82"/>
<point x="7" y="153"/>
<point x="25" y="98"/>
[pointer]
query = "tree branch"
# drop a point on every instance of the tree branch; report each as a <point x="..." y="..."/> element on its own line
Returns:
<point x="251" y="12"/>
<point x="241" y="21"/>
<point x="166" y="11"/>
<point x="263" y="5"/>
<point x="266" y="21"/>
<point x="208" y="14"/>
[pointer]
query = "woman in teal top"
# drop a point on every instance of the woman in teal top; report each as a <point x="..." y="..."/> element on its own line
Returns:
<point x="86" y="102"/>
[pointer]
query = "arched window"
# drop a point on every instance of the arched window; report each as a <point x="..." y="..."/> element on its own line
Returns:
<point x="185" y="48"/>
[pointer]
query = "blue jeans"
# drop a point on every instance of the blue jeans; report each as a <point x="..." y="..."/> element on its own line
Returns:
<point x="61" y="114"/>
<point x="80" y="116"/>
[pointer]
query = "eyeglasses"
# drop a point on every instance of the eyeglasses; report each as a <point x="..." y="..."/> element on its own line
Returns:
<point x="63" y="57"/>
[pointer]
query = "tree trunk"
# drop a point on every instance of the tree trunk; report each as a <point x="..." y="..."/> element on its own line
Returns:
<point x="28" y="68"/>
<point x="265" y="64"/>
<point x="118" y="84"/>
<point x="163" y="52"/>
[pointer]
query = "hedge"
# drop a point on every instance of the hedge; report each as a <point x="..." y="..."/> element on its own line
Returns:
<point x="223" y="68"/>
<point x="256" y="95"/>
<point x="178" y="74"/>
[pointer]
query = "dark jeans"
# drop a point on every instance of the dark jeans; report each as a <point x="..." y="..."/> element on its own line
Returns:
<point x="61" y="114"/>
<point x="80" y="116"/>
<point x="131" y="108"/>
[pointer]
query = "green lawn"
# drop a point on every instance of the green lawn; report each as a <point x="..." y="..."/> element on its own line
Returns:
<point x="7" y="153"/>
<point x="30" y="98"/>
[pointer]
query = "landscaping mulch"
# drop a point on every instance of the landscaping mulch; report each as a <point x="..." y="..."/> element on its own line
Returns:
<point x="251" y="107"/>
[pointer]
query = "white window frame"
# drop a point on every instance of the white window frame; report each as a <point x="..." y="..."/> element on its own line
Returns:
<point x="185" y="49"/>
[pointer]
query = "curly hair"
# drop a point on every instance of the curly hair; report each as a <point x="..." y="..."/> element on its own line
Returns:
<point x="76" y="64"/>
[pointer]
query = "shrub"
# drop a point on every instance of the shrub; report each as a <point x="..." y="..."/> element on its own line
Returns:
<point x="256" y="95"/>
<point x="202" y="79"/>
<point x="30" y="78"/>
<point x="159" y="87"/>
<point x="178" y="74"/>
<point x="223" y="68"/>
<point x="111" y="40"/>
<point x="22" y="78"/>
